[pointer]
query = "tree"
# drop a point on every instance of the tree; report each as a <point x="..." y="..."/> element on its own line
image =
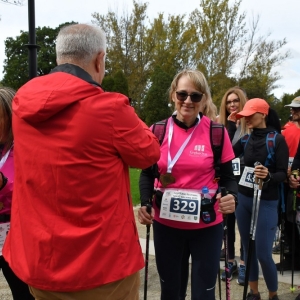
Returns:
<point x="284" y="112"/>
<point x="260" y="58"/>
<point x="156" y="101"/>
<point x="228" y="51"/>
<point x="169" y="44"/>
<point x="125" y="51"/>
<point x="16" y="63"/>
<point x="117" y="83"/>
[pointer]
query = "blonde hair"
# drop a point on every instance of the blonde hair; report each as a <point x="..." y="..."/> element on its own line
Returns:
<point x="210" y="110"/>
<point x="6" y="96"/>
<point x="223" y="115"/>
<point x="200" y="83"/>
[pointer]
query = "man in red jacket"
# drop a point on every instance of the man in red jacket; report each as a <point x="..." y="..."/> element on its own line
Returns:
<point x="73" y="233"/>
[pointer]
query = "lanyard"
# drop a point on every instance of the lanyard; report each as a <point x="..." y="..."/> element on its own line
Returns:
<point x="171" y="162"/>
<point x="4" y="158"/>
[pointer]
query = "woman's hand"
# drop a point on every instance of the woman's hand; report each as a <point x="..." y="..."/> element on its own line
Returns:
<point x="294" y="181"/>
<point x="261" y="172"/>
<point x="144" y="217"/>
<point x="232" y="118"/>
<point x="226" y="203"/>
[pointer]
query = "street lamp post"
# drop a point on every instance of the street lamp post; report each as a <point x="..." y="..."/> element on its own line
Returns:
<point x="32" y="46"/>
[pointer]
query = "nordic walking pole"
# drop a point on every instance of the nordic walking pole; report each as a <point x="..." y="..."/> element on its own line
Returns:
<point x="282" y="236"/>
<point x="227" y="279"/>
<point x="255" y="208"/>
<point x="295" y="173"/>
<point x="219" y="281"/>
<point x="148" y="209"/>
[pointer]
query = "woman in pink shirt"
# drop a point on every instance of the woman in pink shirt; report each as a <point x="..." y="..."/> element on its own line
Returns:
<point x="19" y="289"/>
<point x="185" y="183"/>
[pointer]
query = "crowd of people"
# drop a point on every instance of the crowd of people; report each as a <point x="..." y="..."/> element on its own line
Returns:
<point x="65" y="200"/>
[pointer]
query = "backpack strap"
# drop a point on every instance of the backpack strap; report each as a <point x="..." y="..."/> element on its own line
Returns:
<point x="159" y="130"/>
<point x="270" y="142"/>
<point x="244" y="140"/>
<point x="216" y="140"/>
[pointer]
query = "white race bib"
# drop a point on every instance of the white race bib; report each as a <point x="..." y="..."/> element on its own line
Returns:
<point x="247" y="178"/>
<point x="181" y="205"/>
<point x="236" y="166"/>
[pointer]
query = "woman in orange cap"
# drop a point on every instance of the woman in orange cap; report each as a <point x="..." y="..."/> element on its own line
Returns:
<point x="270" y="172"/>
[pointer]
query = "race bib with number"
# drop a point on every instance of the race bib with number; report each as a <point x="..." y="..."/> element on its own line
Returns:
<point x="236" y="166"/>
<point x="247" y="178"/>
<point x="180" y="205"/>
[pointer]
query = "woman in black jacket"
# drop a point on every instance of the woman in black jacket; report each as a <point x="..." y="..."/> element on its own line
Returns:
<point x="268" y="147"/>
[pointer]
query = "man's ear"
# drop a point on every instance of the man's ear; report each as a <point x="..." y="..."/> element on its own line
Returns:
<point x="99" y="61"/>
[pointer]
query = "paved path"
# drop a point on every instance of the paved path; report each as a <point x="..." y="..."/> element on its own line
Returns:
<point x="236" y="291"/>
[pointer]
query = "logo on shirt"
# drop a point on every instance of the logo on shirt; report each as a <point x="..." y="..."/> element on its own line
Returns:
<point x="199" y="150"/>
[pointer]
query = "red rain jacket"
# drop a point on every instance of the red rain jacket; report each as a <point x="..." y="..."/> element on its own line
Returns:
<point x="72" y="225"/>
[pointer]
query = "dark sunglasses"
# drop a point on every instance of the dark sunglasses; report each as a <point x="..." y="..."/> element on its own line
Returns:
<point x="295" y="108"/>
<point x="195" y="97"/>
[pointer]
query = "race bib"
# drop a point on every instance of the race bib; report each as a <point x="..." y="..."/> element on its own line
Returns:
<point x="247" y="178"/>
<point x="4" y="228"/>
<point x="236" y="166"/>
<point x="180" y="205"/>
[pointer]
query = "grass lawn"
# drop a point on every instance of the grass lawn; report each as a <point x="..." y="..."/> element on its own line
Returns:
<point x="134" y="185"/>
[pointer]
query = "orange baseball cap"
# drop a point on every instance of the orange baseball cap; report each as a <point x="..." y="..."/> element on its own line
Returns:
<point x="252" y="106"/>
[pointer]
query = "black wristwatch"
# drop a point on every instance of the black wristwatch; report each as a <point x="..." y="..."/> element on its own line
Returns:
<point x="268" y="178"/>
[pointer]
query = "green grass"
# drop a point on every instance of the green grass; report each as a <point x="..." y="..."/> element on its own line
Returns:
<point x="134" y="185"/>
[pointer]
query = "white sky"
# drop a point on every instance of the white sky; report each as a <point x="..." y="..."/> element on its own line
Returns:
<point x="279" y="17"/>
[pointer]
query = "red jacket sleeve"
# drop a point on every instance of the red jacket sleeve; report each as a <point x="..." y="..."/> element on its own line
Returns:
<point x="133" y="139"/>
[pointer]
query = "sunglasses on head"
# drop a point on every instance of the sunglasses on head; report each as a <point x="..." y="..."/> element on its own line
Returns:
<point x="195" y="97"/>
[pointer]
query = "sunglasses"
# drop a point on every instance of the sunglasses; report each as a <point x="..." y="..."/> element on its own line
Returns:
<point x="295" y="108"/>
<point x="195" y="97"/>
<point x="234" y="101"/>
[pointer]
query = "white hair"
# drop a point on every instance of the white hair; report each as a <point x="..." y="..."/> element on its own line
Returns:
<point x="79" y="43"/>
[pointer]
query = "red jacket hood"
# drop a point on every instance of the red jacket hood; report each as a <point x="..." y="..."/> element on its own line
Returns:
<point x="41" y="101"/>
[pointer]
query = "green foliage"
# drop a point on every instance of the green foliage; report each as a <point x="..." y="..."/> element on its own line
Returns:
<point x="214" y="38"/>
<point x="134" y="185"/>
<point x="117" y="83"/>
<point x="16" y="62"/>
<point x="126" y="49"/>
<point x="108" y="83"/>
<point x="156" y="100"/>
<point x="284" y="112"/>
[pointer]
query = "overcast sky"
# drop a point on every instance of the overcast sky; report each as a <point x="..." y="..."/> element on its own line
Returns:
<point x="279" y="17"/>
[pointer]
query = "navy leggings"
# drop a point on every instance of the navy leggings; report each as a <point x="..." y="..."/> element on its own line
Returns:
<point x="264" y="237"/>
<point x="172" y="250"/>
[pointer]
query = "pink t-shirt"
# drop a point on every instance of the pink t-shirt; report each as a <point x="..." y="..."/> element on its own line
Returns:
<point x="194" y="168"/>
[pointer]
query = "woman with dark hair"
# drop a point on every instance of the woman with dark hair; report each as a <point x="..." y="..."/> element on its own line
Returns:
<point x="19" y="289"/>
<point x="273" y="121"/>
